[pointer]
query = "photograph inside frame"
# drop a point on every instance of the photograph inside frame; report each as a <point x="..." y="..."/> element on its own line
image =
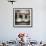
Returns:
<point x="22" y="17"/>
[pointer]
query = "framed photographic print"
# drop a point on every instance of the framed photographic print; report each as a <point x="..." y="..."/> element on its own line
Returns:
<point x="22" y="17"/>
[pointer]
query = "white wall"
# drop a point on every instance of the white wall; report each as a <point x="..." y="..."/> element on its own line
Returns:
<point x="37" y="32"/>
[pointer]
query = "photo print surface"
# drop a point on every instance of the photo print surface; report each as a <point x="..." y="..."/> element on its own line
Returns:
<point x="22" y="17"/>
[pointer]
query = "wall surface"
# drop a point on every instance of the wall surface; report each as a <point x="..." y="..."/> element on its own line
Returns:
<point x="37" y="32"/>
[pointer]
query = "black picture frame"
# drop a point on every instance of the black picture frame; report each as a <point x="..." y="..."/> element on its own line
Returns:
<point x="25" y="18"/>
